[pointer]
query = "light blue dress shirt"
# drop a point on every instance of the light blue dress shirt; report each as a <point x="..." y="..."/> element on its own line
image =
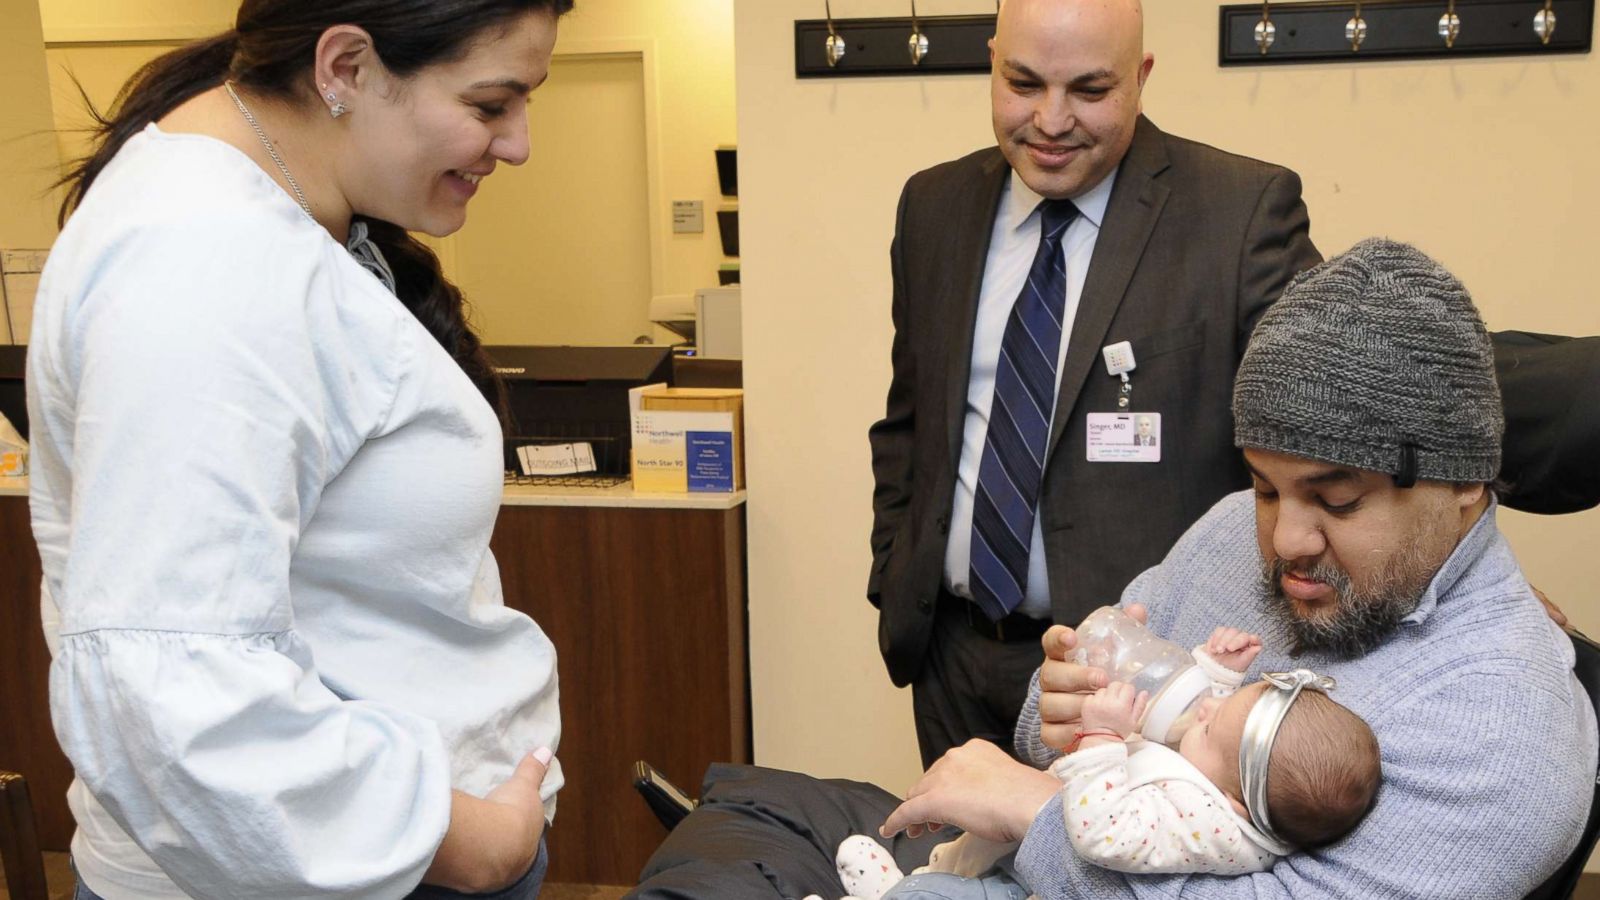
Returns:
<point x="1011" y="251"/>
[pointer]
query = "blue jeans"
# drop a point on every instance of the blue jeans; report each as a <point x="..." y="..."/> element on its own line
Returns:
<point x="944" y="886"/>
<point x="80" y="892"/>
<point x="525" y="888"/>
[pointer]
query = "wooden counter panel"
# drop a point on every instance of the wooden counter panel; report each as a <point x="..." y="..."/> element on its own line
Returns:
<point x="646" y="610"/>
<point x="27" y="742"/>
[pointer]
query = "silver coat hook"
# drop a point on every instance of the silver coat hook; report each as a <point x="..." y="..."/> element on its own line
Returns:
<point x="1544" y="22"/>
<point x="835" y="44"/>
<point x="1355" y="30"/>
<point x="1450" y="25"/>
<point x="1266" y="32"/>
<point x="918" y="42"/>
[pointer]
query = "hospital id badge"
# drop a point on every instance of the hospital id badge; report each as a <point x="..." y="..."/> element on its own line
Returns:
<point x="1124" y="437"/>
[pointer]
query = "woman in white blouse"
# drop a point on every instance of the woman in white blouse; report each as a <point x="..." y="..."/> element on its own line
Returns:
<point x="268" y="462"/>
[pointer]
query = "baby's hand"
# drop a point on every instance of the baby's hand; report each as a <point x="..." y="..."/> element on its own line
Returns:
<point x="1233" y="649"/>
<point x="1115" y="707"/>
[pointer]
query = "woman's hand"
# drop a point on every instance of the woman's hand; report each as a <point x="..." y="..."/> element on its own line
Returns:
<point x="493" y="842"/>
<point x="1064" y="685"/>
<point x="977" y="788"/>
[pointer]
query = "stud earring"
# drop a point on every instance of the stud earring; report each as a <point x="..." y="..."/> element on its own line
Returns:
<point x="338" y="109"/>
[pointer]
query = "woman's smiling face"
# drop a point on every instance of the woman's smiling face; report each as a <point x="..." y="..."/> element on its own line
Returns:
<point x="426" y="141"/>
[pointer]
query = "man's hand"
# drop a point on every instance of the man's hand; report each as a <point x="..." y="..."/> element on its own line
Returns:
<point x="1554" y="611"/>
<point x="1064" y="684"/>
<point x="977" y="788"/>
<point x="1233" y="649"/>
<point x="1115" y="707"/>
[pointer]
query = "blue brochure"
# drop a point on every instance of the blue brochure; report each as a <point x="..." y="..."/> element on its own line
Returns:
<point x="710" y="460"/>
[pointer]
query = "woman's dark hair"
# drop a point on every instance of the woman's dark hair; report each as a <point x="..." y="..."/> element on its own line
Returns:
<point x="270" y="50"/>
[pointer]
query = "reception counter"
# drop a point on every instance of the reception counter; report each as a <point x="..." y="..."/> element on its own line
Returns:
<point x="643" y="596"/>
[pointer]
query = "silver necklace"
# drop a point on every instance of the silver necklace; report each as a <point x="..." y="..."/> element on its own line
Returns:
<point x="271" y="151"/>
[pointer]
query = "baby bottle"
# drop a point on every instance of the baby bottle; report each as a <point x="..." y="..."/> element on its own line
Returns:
<point x="1112" y="640"/>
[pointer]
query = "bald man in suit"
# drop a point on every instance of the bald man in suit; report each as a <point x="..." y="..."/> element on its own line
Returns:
<point x="1172" y="246"/>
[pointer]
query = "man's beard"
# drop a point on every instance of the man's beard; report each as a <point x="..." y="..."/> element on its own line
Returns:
<point x="1358" y="620"/>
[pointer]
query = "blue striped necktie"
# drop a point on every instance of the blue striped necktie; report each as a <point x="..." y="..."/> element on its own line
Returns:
<point x="1019" y="424"/>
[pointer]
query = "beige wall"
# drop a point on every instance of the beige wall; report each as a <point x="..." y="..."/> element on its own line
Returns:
<point x="27" y="151"/>
<point x="685" y="49"/>
<point x="1487" y="164"/>
<point x="98" y="20"/>
<point x="98" y="70"/>
<point x="689" y="108"/>
<point x="96" y="45"/>
<point x="557" y="251"/>
<point x="686" y="52"/>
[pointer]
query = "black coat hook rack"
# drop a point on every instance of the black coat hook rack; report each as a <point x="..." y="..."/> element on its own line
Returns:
<point x="1314" y="32"/>
<point x="957" y="45"/>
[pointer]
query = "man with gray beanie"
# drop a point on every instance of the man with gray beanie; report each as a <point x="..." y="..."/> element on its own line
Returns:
<point x="1380" y="366"/>
<point x="1368" y="413"/>
<point x="1369" y="417"/>
<point x="1366" y="550"/>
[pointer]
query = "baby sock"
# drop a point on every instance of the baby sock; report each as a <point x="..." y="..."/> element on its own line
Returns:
<point x="866" y="868"/>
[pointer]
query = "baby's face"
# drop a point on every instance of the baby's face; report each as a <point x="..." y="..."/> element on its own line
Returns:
<point x="1212" y="744"/>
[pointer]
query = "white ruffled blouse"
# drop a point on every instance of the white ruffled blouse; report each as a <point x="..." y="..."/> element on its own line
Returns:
<point x="263" y="496"/>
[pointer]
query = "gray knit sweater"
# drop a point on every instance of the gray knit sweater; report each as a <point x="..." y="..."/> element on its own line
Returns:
<point x="1488" y="741"/>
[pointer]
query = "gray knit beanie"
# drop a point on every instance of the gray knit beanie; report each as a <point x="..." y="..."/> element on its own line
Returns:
<point x="1375" y="359"/>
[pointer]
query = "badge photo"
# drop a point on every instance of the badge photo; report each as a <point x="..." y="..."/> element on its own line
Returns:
<point x="1124" y="437"/>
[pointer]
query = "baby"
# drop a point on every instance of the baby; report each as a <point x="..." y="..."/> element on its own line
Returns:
<point x="1138" y="806"/>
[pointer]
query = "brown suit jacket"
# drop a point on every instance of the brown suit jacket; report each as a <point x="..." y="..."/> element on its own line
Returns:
<point x="1194" y="246"/>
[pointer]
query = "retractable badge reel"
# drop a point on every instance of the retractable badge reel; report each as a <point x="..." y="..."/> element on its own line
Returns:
<point x="1123" y="436"/>
<point x="1119" y="361"/>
